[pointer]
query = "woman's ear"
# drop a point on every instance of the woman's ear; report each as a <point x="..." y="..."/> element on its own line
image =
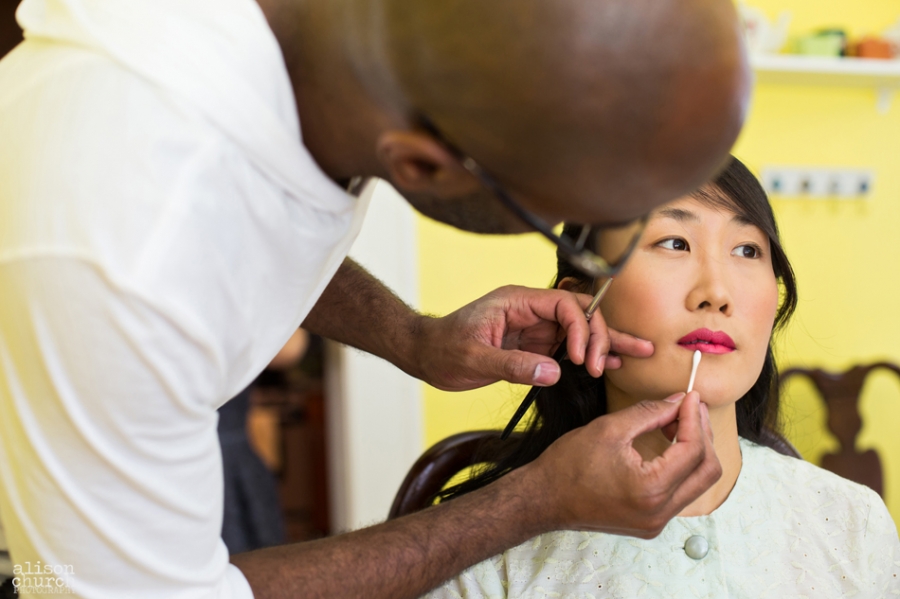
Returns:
<point x="418" y="163"/>
<point x="574" y="285"/>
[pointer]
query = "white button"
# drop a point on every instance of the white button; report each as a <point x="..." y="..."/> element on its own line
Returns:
<point x="696" y="547"/>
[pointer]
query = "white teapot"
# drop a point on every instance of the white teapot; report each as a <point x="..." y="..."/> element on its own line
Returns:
<point x="762" y="37"/>
<point x="893" y="36"/>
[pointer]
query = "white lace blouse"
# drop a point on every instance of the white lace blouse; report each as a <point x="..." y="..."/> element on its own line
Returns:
<point x="788" y="529"/>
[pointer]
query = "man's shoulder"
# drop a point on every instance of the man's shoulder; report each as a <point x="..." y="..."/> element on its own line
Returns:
<point x="102" y="158"/>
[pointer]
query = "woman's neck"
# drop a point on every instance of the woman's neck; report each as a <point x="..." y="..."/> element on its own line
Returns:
<point x="723" y="422"/>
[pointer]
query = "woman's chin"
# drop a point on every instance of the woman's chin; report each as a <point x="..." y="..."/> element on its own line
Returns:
<point x="713" y="393"/>
<point x="721" y="379"/>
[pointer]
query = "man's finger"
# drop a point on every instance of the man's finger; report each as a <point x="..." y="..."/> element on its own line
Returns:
<point x="697" y="482"/>
<point x="598" y="345"/>
<point x="689" y="445"/>
<point x="671" y="431"/>
<point x="709" y="470"/>
<point x="629" y="345"/>
<point x="520" y="367"/>
<point x="685" y="455"/>
<point x="592" y="349"/>
<point x="644" y="417"/>
<point x="704" y="419"/>
<point x="570" y="316"/>
<point x="690" y="467"/>
<point x="613" y="362"/>
<point x="552" y="305"/>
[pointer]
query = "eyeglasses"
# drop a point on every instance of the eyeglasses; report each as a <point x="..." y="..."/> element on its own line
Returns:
<point x="598" y="251"/>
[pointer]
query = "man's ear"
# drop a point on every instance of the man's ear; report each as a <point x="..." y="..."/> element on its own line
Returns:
<point x="418" y="163"/>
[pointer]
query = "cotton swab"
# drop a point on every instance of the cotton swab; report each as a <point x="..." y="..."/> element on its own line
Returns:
<point x="696" y="363"/>
<point x="697" y="356"/>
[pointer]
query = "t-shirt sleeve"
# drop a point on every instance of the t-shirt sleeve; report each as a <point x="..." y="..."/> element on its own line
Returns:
<point x="110" y="468"/>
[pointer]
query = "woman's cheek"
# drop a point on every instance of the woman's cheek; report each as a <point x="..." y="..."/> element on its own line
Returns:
<point x="762" y="314"/>
<point x="639" y="308"/>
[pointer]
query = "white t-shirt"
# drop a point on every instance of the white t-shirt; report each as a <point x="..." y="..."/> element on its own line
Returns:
<point x="162" y="233"/>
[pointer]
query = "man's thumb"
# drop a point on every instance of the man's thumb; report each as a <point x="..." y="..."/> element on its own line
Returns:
<point x="648" y="415"/>
<point x="522" y="367"/>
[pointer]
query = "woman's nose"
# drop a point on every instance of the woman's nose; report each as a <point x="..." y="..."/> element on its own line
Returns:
<point x="711" y="292"/>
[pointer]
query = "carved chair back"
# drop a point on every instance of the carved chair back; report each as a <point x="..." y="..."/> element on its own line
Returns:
<point x="841" y="393"/>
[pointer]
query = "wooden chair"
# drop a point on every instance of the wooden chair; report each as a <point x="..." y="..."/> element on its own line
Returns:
<point x="10" y="34"/>
<point x="431" y="472"/>
<point x="445" y="459"/>
<point x="840" y="392"/>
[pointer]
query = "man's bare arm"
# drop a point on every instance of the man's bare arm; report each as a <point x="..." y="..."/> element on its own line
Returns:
<point x="589" y="479"/>
<point x="506" y="335"/>
<point x="358" y="310"/>
<point x="401" y="558"/>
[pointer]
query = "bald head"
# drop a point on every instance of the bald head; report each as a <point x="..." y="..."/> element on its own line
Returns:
<point x="611" y="106"/>
<point x="586" y="110"/>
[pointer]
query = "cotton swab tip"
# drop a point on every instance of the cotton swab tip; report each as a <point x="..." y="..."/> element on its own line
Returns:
<point x="697" y="356"/>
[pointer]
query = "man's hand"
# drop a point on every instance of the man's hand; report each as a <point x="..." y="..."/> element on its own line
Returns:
<point x="509" y="335"/>
<point x="593" y="478"/>
<point x="590" y="479"/>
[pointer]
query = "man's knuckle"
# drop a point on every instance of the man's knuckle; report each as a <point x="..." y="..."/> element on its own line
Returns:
<point x="652" y="523"/>
<point x="516" y="365"/>
<point x="599" y="427"/>
<point x="470" y="354"/>
<point x="713" y="470"/>
<point x="698" y="458"/>
<point x="647" y="406"/>
<point x="649" y="503"/>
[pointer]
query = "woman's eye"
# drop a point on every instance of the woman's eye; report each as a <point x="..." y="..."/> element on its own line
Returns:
<point x="675" y="243"/>
<point x="746" y="251"/>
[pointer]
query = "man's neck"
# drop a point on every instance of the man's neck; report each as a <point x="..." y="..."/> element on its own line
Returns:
<point x="339" y="121"/>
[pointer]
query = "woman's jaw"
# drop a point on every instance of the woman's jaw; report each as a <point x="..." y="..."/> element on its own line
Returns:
<point x="701" y="278"/>
<point x="719" y="381"/>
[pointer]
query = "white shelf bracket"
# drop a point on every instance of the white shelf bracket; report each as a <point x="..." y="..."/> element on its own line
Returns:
<point x="885" y="96"/>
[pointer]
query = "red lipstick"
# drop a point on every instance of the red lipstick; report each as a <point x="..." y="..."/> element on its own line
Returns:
<point x="706" y="341"/>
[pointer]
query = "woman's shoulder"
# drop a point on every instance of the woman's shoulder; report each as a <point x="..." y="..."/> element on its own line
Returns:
<point x="813" y="519"/>
<point x="766" y="463"/>
<point x="805" y="489"/>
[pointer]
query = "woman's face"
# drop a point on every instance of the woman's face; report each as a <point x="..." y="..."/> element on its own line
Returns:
<point x="701" y="278"/>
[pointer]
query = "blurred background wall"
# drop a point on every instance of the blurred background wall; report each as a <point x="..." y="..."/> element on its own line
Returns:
<point x="846" y="252"/>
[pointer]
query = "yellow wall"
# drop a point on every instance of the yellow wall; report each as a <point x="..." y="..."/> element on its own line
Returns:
<point x="846" y="253"/>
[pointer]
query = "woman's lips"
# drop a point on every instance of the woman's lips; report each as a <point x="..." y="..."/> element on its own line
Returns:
<point x="709" y="342"/>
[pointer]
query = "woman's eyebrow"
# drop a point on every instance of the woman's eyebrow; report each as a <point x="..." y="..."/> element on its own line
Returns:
<point x="742" y="221"/>
<point x="679" y="214"/>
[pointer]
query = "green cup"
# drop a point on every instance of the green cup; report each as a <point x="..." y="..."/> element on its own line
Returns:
<point x="821" y="44"/>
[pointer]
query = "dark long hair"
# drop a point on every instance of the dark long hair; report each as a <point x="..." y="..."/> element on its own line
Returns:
<point x="578" y="398"/>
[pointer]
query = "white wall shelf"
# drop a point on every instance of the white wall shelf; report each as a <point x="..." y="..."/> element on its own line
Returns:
<point x="881" y="75"/>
